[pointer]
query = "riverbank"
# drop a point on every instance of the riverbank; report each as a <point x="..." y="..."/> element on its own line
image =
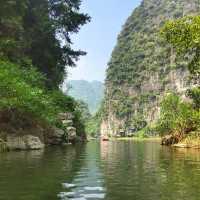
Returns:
<point x="21" y="131"/>
<point x="189" y="142"/>
<point x="138" y="139"/>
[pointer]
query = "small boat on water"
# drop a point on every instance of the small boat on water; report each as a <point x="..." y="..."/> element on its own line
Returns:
<point x="105" y="138"/>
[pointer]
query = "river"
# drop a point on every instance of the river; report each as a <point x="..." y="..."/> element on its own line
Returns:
<point x="117" y="170"/>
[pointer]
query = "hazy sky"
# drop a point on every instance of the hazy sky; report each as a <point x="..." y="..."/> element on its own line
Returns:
<point x="99" y="37"/>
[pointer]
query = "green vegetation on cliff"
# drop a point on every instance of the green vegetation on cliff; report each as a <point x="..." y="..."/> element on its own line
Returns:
<point x="35" y="48"/>
<point x="180" y="117"/>
<point x="143" y="66"/>
<point x="93" y="125"/>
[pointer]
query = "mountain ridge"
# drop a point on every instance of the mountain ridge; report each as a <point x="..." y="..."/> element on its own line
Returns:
<point x="91" y="92"/>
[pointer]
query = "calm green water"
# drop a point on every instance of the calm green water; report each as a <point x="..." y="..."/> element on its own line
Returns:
<point x="124" y="170"/>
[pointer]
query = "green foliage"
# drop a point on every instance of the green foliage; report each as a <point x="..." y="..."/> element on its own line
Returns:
<point x="123" y="106"/>
<point x="138" y="123"/>
<point x="89" y="92"/>
<point x="18" y="90"/>
<point x="84" y="110"/>
<point x="39" y="31"/>
<point x="35" y="48"/>
<point x="82" y="115"/>
<point x="142" y="134"/>
<point x="64" y="102"/>
<point x="11" y="27"/>
<point x="93" y="125"/>
<point x="177" y="116"/>
<point x="184" y="35"/>
<point x="194" y="94"/>
<point x="139" y="56"/>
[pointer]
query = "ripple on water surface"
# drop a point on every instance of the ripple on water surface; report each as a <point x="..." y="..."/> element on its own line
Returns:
<point x="124" y="170"/>
<point x="81" y="192"/>
<point x="88" y="182"/>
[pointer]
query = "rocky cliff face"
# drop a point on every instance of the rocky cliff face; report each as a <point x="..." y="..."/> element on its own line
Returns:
<point x="143" y="68"/>
<point x="27" y="133"/>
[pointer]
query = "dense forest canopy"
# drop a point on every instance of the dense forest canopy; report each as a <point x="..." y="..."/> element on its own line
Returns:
<point x="38" y="32"/>
<point x="35" y="51"/>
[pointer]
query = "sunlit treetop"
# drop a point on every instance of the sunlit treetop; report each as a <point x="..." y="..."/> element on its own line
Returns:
<point x="184" y="35"/>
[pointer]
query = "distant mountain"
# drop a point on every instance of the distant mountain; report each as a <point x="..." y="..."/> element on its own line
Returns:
<point x="90" y="92"/>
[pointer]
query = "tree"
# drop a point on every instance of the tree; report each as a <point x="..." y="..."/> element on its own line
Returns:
<point x="38" y="32"/>
<point x="177" y="117"/>
<point x="11" y="29"/>
<point x="184" y="35"/>
<point x="52" y="23"/>
<point x="82" y="107"/>
<point x="35" y="48"/>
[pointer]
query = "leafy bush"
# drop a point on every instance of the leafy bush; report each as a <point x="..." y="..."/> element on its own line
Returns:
<point x="92" y="127"/>
<point x="138" y="123"/>
<point x="142" y="134"/>
<point x="93" y="124"/>
<point x="18" y="91"/>
<point x="194" y="94"/>
<point x="177" y="117"/>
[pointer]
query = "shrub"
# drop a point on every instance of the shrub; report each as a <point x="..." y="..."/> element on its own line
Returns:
<point x="194" y="94"/>
<point x="142" y="134"/>
<point x="19" y="90"/>
<point x="177" y="117"/>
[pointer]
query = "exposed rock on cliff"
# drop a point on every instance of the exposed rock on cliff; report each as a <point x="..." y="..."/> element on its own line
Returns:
<point x="67" y="121"/>
<point x="27" y="142"/>
<point x="143" y="68"/>
<point x="56" y="137"/>
<point x="23" y="132"/>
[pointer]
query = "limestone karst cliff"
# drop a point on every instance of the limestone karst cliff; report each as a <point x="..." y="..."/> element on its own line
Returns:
<point x="143" y="68"/>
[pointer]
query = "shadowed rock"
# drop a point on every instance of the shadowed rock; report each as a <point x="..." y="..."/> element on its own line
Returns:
<point x="27" y="142"/>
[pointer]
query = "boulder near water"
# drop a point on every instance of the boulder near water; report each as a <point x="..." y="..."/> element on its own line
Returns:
<point x="169" y="140"/>
<point x="27" y="142"/>
<point x="67" y="122"/>
<point x="57" y="137"/>
<point x="71" y="134"/>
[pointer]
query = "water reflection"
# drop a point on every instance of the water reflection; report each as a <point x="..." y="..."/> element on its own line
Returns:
<point x="180" y="169"/>
<point x="147" y="171"/>
<point x="88" y="182"/>
<point x="118" y="170"/>
<point x="37" y="175"/>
